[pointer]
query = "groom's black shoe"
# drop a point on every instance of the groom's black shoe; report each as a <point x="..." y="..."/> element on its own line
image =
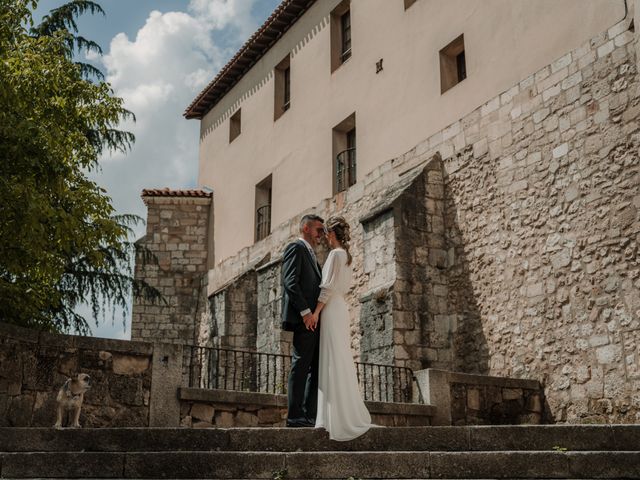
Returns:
<point x="300" y="422"/>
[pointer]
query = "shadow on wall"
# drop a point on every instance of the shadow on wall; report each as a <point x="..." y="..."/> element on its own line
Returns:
<point x="467" y="267"/>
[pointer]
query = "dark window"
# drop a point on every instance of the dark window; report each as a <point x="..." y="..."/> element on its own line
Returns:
<point x="344" y="153"/>
<point x="282" y="90"/>
<point x="345" y="22"/>
<point x="453" y="64"/>
<point x="461" y="66"/>
<point x="263" y="209"/>
<point x="340" y="25"/>
<point x="235" y="125"/>
<point x="287" y="89"/>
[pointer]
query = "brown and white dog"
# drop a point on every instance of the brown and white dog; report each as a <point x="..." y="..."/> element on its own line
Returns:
<point x="70" y="398"/>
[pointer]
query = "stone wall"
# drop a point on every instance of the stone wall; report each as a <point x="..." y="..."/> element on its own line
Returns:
<point x="226" y="409"/>
<point x="270" y="337"/>
<point x="234" y="313"/>
<point x="34" y="365"/>
<point x="464" y="399"/>
<point x="177" y="235"/>
<point x="543" y="221"/>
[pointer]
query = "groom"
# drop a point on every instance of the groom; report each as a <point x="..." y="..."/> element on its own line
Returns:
<point x="301" y="275"/>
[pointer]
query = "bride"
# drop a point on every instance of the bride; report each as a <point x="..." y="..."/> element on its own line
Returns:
<point x="341" y="410"/>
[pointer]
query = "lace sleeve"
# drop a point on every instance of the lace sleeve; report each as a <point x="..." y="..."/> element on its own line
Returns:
<point x="330" y="274"/>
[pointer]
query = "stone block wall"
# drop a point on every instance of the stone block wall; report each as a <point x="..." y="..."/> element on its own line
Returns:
<point x="227" y="409"/>
<point x="177" y="234"/>
<point x="270" y="337"/>
<point x="542" y="217"/>
<point x="34" y="365"/>
<point x="234" y="314"/>
<point x="376" y="313"/>
<point x="464" y="399"/>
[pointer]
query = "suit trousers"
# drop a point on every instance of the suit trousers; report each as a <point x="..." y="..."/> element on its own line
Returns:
<point x="302" y="393"/>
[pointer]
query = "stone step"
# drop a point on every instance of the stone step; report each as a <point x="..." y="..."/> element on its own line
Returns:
<point x="443" y="439"/>
<point x="322" y="465"/>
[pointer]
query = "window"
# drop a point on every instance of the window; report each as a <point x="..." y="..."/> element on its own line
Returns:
<point x="344" y="154"/>
<point x="408" y="3"/>
<point x="235" y="125"/>
<point x="282" y="82"/>
<point x="340" y="34"/>
<point x="263" y="209"/>
<point x="453" y="66"/>
<point x="345" y="23"/>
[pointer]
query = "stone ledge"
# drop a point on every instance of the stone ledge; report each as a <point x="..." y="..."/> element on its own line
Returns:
<point x="273" y="400"/>
<point x="26" y="335"/>
<point x="234" y="397"/>
<point x="400" y="408"/>
<point x="504" y="382"/>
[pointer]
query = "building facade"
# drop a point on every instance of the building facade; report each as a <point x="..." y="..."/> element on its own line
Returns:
<point x="384" y="84"/>
<point x="495" y="209"/>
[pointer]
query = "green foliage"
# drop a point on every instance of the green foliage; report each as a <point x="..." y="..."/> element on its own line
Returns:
<point x="61" y="243"/>
<point x="62" y="20"/>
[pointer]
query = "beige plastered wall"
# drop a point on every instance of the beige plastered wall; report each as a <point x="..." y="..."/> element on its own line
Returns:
<point x="505" y="41"/>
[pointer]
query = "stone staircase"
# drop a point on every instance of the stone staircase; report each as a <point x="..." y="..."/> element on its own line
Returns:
<point x="251" y="453"/>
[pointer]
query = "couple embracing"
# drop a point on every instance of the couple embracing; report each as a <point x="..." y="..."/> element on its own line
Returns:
<point x="323" y="387"/>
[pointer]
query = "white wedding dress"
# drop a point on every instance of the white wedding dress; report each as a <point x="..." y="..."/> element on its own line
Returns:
<point x="341" y="410"/>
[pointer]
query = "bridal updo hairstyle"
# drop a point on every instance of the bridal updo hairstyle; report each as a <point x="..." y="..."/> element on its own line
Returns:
<point x="341" y="228"/>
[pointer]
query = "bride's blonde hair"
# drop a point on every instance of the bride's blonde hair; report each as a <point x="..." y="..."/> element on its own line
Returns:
<point x="341" y="228"/>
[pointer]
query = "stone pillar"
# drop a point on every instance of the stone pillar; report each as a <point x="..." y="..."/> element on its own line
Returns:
<point x="166" y="378"/>
<point x="405" y="316"/>
<point x="177" y="234"/>
<point x="377" y="343"/>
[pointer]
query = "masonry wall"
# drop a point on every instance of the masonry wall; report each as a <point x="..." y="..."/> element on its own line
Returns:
<point x="234" y="314"/>
<point x="34" y="365"/>
<point x="270" y="337"/>
<point x="542" y="201"/>
<point x="177" y="235"/>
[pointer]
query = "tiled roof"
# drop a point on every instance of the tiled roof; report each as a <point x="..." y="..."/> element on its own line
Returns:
<point x="285" y="15"/>
<point x="166" y="192"/>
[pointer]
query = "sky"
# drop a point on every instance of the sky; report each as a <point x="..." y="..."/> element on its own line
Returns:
<point x="158" y="55"/>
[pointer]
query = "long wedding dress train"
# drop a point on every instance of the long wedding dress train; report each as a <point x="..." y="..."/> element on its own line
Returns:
<point x="341" y="410"/>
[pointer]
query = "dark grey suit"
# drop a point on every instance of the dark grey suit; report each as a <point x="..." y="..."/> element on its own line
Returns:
<point x="301" y="277"/>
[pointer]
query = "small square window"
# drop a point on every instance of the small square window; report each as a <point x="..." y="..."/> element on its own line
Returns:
<point x="453" y="65"/>
<point x="235" y="125"/>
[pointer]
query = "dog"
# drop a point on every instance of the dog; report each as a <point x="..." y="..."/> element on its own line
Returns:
<point x="70" y="398"/>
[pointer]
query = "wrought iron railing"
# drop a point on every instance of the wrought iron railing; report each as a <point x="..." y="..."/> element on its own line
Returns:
<point x="263" y="222"/>
<point x="345" y="169"/>
<point x="386" y="383"/>
<point x="229" y="369"/>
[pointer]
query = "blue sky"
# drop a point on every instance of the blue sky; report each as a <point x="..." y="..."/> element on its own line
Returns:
<point x="158" y="55"/>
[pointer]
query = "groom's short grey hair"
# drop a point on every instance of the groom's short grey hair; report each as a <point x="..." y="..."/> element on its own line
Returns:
<point x="310" y="218"/>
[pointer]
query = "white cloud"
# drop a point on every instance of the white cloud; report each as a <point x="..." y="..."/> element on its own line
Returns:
<point x="220" y="14"/>
<point x="158" y="73"/>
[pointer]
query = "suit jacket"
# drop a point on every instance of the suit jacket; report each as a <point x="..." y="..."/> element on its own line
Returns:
<point x="301" y="277"/>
